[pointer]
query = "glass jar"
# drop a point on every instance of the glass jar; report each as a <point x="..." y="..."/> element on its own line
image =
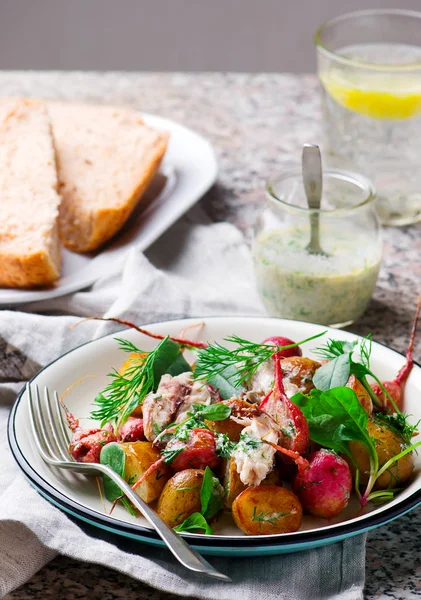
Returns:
<point x="332" y="288"/>
<point x="369" y="65"/>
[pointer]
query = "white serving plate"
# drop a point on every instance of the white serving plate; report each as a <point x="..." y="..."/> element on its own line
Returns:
<point x="189" y="168"/>
<point x="80" y="497"/>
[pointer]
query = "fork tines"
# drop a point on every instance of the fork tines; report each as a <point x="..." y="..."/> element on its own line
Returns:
<point x="50" y="432"/>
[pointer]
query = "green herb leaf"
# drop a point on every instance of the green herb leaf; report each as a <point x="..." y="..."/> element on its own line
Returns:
<point x="334" y="373"/>
<point x="211" y="494"/>
<point x="169" y="359"/>
<point x="194" y="523"/>
<point x="113" y="455"/>
<point x="213" y="412"/>
<point x="384" y="495"/>
<point x="335" y="417"/>
<point x="224" y="382"/>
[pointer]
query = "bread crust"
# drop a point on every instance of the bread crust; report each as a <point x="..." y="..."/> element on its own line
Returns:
<point x="33" y="270"/>
<point x="30" y="253"/>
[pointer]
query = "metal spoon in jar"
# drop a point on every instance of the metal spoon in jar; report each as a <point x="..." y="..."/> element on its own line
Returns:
<point x="313" y="185"/>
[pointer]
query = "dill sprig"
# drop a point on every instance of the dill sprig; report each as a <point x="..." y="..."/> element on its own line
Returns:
<point x="237" y="364"/>
<point x="334" y="348"/>
<point x="268" y="517"/>
<point x="399" y="423"/>
<point x="365" y="350"/>
<point x="127" y="346"/>
<point x="125" y="391"/>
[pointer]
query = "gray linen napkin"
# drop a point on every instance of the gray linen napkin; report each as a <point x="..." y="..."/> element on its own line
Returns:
<point x="195" y="269"/>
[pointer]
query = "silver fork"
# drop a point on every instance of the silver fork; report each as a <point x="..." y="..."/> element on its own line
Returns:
<point x="52" y="440"/>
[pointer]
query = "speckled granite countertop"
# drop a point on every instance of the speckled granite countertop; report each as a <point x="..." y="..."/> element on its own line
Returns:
<point x="257" y="124"/>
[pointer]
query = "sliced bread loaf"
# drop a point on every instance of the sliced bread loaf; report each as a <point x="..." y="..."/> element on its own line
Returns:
<point x="106" y="158"/>
<point x="29" y="202"/>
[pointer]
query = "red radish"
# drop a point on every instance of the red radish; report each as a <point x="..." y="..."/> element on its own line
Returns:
<point x="198" y="452"/>
<point x="276" y="340"/>
<point x="86" y="444"/>
<point x="324" y="488"/>
<point x="290" y="419"/>
<point x="132" y="430"/>
<point x="397" y="386"/>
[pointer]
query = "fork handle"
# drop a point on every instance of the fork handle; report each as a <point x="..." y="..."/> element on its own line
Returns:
<point x="182" y="551"/>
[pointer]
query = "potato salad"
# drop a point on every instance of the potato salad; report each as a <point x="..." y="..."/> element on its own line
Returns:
<point x="251" y="428"/>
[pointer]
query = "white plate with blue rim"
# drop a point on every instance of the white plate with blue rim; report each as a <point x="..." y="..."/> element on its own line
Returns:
<point x="188" y="171"/>
<point x="79" y="496"/>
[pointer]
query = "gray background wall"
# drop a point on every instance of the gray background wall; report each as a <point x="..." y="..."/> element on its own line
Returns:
<point x="167" y="35"/>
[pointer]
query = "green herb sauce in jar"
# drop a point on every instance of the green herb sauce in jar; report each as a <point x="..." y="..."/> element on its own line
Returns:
<point x="331" y="290"/>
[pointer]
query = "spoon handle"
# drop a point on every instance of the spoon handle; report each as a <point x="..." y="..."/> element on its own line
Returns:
<point x="313" y="178"/>
<point x="313" y="184"/>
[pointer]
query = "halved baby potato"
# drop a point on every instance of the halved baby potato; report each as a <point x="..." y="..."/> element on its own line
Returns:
<point x="266" y="510"/>
<point x="388" y="444"/>
<point x="233" y="485"/>
<point x="363" y="396"/>
<point x="139" y="457"/>
<point x="180" y="497"/>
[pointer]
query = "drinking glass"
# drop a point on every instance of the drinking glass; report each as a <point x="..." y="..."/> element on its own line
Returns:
<point x="369" y="65"/>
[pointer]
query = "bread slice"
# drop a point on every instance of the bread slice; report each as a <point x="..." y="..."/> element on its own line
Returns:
<point x="106" y="159"/>
<point x="29" y="202"/>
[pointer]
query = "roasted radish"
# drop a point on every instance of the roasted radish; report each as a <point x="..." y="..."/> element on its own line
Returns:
<point x="197" y="452"/>
<point x="283" y="341"/>
<point x="324" y="488"/>
<point x="396" y="387"/>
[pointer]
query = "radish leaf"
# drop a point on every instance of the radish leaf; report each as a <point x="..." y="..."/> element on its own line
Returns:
<point x="114" y="456"/>
<point x="334" y="373"/>
<point x="196" y="522"/>
<point x="335" y="417"/>
<point x="211" y="494"/>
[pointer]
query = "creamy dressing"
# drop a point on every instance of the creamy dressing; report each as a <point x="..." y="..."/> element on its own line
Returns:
<point x="330" y="290"/>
